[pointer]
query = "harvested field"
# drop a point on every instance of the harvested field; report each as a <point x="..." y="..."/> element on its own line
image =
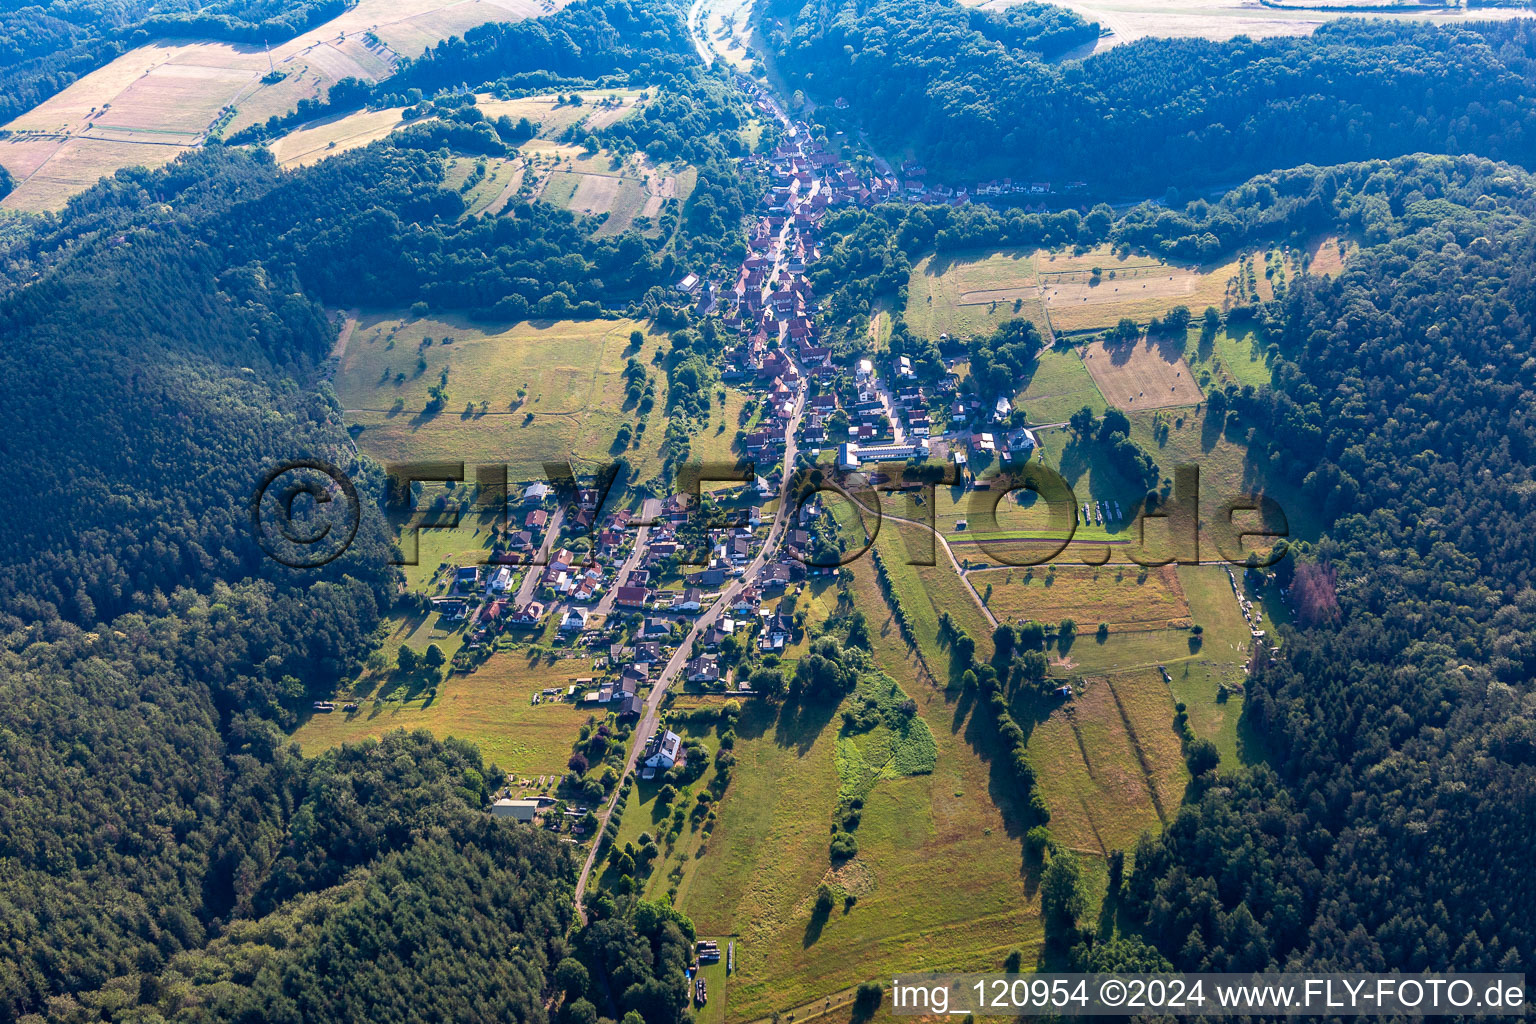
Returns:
<point x="1144" y="374"/>
<point x="1127" y="20"/>
<point x="70" y="166"/>
<point x="177" y="91"/>
<point x="1126" y="597"/>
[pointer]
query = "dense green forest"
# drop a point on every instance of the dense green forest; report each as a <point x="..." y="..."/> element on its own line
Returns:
<point x="164" y="848"/>
<point x="44" y="49"/>
<point x="975" y="104"/>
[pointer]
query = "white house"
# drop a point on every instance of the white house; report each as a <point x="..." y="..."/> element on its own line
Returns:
<point x="517" y="810"/>
<point x="664" y="751"/>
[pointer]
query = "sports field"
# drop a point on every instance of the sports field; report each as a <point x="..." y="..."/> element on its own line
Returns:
<point x="570" y="373"/>
<point x="492" y="708"/>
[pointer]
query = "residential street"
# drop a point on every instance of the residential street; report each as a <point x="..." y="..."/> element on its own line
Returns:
<point x="652" y="713"/>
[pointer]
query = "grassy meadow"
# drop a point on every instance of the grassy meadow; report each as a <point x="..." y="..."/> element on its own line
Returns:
<point x="492" y="707"/>
<point x="569" y="373"/>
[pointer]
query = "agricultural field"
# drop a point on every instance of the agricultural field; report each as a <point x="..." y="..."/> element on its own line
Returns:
<point x="154" y="101"/>
<point x="50" y="169"/>
<point x="1126" y="285"/>
<point x="1058" y="385"/>
<point x="968" y="294"/>
<point x="538" y="391"/>
<point x="1072" y="292"/>
<point x="491" y="707"/>
<point x="1127" y="20"/>
<point x="427" y="551"/>
<point x="1147" y="373"/>
<point x="602" y="185"/>
<point x="331" y="135"/>
<point x="1127" y="598"/>
<point x="1108" y="762"/>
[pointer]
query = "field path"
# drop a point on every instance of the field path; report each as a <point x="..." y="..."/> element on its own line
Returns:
<point x="953" y="561"/>
<point x="344" y="335"/>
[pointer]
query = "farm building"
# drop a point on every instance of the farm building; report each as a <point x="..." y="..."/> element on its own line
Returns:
<point x="517" y="810"/>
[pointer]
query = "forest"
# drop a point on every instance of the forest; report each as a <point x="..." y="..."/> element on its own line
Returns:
<point x="167" y="852"/>
<point x="976" y="104"/>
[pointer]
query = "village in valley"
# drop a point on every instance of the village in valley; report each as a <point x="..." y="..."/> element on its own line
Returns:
<point x="620" y="644"/>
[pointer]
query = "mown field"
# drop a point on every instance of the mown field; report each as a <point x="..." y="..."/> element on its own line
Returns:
<point x="1148" y="373"/>
<point x="1127" y="598"/>
<point x="492" y="708"/>
<point x="1128" y="285"/>
<point x="1057" y="386"/>
<point x="1108" y="762"/>
<point x="569" y="372"/>
<point x="971" y="293"/>
<point x="154" y="101"/>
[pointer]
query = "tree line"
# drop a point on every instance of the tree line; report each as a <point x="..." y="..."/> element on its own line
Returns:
<point x="1140" y="117"/>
